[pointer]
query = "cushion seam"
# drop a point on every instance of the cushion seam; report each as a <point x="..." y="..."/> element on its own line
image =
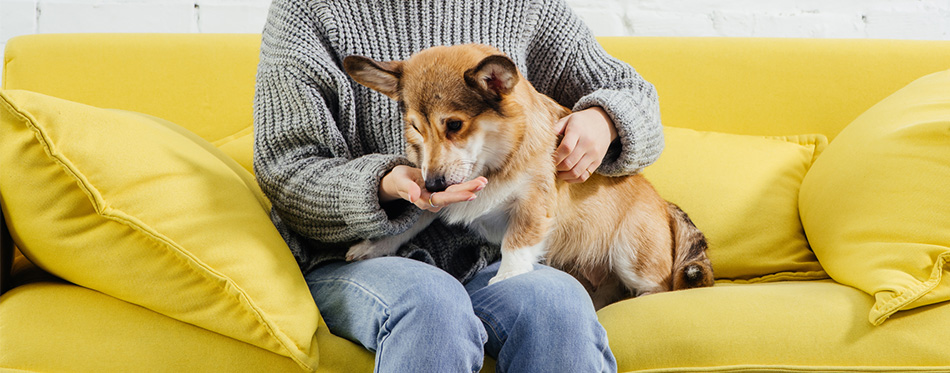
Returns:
<point x="249" y="130"/>
<point x="61" y="160"/>
<point x="884" y="309"/>
<point x="781" y="276"/>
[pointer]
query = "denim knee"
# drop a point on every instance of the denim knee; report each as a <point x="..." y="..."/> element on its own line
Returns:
<point x="432" y="290"/>
<point x="542" y="321"/>
<point x="401" y="307"/>
<point x="551" y="295"/>
<point x="433" y="312"/>
<point x="422" y="288"/>
<point x="545" y="300"/>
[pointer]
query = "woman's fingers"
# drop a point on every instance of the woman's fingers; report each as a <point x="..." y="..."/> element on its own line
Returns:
<point x="565" y="150"/>
<point x="410" y="191"/>
<point x="407" y="183"/>
<point x="462" y="192"/>
<point x="587" y="135"/>
<point x="581" y="171"/>
<point x="473" y="185"/>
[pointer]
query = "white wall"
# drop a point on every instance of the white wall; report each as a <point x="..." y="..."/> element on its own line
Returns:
<point x="887" y="19"/>
<point x="898" y="19"/>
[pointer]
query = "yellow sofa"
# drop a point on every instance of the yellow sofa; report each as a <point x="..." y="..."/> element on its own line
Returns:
<point x="748" y="156"/>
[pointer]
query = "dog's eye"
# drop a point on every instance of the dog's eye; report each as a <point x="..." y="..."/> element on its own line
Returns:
<point x="453" y="125"/>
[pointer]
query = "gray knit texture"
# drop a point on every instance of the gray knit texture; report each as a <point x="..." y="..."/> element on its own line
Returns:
<point x="323" y="142"/>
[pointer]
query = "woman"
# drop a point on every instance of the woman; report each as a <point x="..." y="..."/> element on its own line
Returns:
<point x="329" y="153"/>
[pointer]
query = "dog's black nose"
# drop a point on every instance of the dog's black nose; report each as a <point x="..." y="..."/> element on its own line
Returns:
<point x="436" y="184"/>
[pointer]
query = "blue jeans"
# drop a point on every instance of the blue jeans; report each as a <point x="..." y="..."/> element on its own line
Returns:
<point x="418" y="318"/>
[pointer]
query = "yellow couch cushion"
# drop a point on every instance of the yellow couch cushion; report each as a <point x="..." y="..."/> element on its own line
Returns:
<point x="791" y="326"/>
<point x="742" y="192"/>
<point x="127" y="205"/>
<point x="133" y="338"/>
<point x="876" y="204"/>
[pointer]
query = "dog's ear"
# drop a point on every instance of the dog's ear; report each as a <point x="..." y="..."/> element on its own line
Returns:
<point x="494" y="77"/>
<point x="380" y="76"/>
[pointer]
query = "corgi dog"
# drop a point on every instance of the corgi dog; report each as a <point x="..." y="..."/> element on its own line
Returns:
<point x="469" y="112"/>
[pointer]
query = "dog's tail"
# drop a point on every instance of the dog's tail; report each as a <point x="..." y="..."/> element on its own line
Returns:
<point x="691" y="266"/>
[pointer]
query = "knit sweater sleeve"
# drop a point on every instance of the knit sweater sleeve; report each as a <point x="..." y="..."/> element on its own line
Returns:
<point x="575" y="70"/>
<point x="307" y="161"/>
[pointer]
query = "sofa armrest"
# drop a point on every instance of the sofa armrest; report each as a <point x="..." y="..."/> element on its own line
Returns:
<point x="6" y="256"/>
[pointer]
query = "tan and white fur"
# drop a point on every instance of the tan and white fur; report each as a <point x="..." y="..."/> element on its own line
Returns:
<point x="469" y="112"/>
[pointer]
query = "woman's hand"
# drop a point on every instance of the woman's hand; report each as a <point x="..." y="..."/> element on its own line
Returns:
<point x="587" y="135"/>
<point x="404" y="182"/>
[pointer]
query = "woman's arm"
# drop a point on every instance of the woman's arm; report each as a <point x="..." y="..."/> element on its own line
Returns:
<point x="570" y="65"/>
<point x="308" y="156"/>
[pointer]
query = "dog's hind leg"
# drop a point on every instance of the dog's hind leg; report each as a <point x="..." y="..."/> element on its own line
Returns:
<point x="637" y="278"/>
<point x="641" y="256"/>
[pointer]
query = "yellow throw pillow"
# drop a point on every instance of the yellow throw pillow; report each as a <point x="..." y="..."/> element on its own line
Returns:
<point x="125" y="204"/>
<point x="876" y="205"/>
<point x="742" y="192"/>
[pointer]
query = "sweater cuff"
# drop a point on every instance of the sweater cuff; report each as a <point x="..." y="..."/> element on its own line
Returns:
<point x="360" y="206"/>
<point x="639" y="133"/>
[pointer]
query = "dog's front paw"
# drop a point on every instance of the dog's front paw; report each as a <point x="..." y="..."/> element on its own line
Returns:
<point x="516" y="262"/>
<point x="368" y="250"/>
<point x="504" y="275"/>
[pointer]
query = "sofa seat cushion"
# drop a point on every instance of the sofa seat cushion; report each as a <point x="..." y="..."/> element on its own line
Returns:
<point x="782" y="326"/>
<point x="742" y="192"/>
<point x="49" y="311"/>
<point x="119" y="336"/>
<point x="145" y="211"/>
<point x="876" y="204"/>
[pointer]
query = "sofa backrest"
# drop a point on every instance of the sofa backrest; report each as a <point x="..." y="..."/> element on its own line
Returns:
<point x="205" y="82"/>
<point x="760" y="86"/>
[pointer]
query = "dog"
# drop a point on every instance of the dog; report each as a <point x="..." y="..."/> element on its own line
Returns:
<point x="469" y="112"/>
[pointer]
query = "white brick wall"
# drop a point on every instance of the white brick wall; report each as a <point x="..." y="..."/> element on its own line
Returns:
<point x="899" y="19"/>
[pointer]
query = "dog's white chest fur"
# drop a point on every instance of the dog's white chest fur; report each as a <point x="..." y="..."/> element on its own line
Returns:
<point x="488" y="214"/>
<point x="492" y="226"/>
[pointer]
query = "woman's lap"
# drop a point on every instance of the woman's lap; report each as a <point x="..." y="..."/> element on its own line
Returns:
<point x="404" y="310"/>
<point x="415" y="316"/>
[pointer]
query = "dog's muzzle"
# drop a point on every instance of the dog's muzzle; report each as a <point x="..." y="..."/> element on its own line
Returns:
<point x="436" y="184"/>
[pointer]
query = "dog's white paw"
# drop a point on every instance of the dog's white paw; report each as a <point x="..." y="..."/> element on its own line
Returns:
<point x="516" y="262"/>
<point x="369" y="250"/>
<point x="508" y="274"/>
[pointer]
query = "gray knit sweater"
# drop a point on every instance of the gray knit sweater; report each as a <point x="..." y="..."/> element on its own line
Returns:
<point x="323" y="142"/>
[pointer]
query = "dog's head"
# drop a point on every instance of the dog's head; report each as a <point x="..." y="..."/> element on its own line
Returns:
<point x="459" y="123"/>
